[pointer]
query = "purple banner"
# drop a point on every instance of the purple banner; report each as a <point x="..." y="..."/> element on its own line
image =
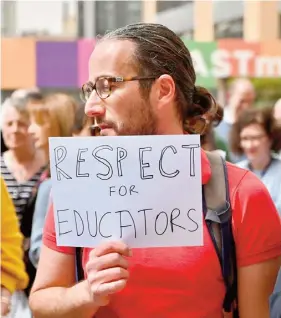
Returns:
<point x="56" y="64"/>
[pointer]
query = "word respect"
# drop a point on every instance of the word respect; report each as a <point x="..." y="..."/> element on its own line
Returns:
<point x="113" y="160"/>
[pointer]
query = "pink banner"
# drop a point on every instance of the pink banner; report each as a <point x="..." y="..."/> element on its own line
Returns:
<point x="85" y="48"/>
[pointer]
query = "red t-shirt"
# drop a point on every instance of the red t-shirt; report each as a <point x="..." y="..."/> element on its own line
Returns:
<point x="187" y="281"/>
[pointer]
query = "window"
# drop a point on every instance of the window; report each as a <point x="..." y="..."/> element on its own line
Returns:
<point x="111" y="15"/>
<point x="229" y="29"/>
<point x="105" y="16"/>
<point x="163" y="5"/>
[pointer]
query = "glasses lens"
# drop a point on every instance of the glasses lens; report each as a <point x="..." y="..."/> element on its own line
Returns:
<point x="103" y="87"/>
<point x="86" y="91"/>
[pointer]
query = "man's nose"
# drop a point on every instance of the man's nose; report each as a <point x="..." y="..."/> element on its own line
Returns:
<point x="94" y="107"/>
<point x="94" y="110"/>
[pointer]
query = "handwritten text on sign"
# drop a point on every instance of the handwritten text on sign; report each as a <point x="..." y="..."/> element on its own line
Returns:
<point x="144" y="190"/>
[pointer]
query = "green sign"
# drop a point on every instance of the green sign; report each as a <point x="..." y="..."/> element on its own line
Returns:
<point x="201" y="53"/>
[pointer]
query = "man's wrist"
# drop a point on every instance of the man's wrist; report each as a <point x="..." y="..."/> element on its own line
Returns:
<point x="86" y="302"/>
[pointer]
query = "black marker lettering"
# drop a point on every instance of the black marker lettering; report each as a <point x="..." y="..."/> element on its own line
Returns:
<point x="105" y="236"/>
<point x="81" y="220"/>
<point x="79" y="160"/>
<point x="124" y="192"/>
<point x="144" y="165"/>
<point x="92" y="235"/>
<point x="132" y="187"/>
<point x="192" y="159"/>
<point x="173" y="218"/>
<point x="188" y="215"/>
<point x="144" y="215"/>
<point x="121" y="155"/>
<point x="60" y="222"/>
<point x="158" y="215"/>
<point x="109" y="174"/>
<point x="111" y="191"/>
<point x="163" y="173"/>
<point x="121" y="226"/>
<point x="60" y="154"/>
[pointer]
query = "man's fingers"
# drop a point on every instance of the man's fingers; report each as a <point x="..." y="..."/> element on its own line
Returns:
<point x="107" y="275"/>
<point x="109" y="288"/>
<point x="108" y="261"/>
<point x="112" y="247"/>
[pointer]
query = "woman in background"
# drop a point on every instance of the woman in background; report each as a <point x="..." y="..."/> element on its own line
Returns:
<point x="258" y="135"/>
<point x="22" y="166"/>
<point x="55" y="118"/>
<point x="13" y="275"/>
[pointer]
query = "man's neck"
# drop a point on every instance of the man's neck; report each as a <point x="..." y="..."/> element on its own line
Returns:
<point x="171" y="128"/>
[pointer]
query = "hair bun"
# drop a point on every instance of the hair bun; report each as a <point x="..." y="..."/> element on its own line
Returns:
<point x="204" y="112"/>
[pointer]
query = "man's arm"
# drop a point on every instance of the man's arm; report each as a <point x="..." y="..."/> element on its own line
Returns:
<point x="54" y="293"/>
<point x="255" y="285"/>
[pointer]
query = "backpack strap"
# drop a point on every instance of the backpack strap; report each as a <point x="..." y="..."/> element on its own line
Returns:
<point x="78" y="262"/>
<point x="218" y="217"/>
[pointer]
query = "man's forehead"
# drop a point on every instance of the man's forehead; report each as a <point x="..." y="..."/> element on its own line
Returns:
<point x="111" y="57"/>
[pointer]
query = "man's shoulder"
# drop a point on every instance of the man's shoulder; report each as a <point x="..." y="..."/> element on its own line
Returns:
<point x="244" y="183"/>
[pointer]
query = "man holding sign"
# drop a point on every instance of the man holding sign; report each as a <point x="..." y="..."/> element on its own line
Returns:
<point x="135" y="203"/>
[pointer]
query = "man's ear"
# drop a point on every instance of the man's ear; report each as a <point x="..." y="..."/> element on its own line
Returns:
<point x="165" y="89"/>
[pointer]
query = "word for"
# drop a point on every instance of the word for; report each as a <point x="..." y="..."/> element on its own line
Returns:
<point x="103" y="153"/>
<point x="124" y="222"/>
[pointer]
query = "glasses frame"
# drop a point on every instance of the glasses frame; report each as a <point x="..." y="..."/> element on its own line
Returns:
<point x="111" y="79"/>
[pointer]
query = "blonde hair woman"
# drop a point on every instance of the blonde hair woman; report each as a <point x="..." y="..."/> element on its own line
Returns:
<point x="55" y="118"/>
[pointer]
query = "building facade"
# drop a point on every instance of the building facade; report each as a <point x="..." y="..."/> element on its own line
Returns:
<point x="211" y="20"/>
<point x="225" y="42"/>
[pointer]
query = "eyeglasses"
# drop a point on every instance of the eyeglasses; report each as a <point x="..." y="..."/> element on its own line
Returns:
<point x="256" y="138"/>
<point x="103" y="85"/>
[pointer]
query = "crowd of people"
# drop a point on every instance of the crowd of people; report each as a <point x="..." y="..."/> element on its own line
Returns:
<point x="247" y="136"/>
<point x="28" y="119"/>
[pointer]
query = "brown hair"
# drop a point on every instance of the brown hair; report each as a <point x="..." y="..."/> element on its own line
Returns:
<point x="261" y="116"/>
<point x="160" y="51"/>
<point x="59" y="110"/>
<point x="81" y="120"/>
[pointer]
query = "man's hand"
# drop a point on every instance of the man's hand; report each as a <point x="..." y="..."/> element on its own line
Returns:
<point x="107" y="270"/>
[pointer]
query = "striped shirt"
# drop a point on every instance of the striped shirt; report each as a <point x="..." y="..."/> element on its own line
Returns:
<point x="19" y="192"/>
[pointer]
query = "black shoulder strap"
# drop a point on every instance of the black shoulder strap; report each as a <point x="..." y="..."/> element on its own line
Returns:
<point x="218" y="216"/>
<point x="78" y="261"/>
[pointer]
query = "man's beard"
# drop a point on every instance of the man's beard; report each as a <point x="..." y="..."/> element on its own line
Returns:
<point x="140" y="120"/>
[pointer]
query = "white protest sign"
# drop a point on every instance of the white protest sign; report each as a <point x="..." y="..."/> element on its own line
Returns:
<point x="144" y="190"/>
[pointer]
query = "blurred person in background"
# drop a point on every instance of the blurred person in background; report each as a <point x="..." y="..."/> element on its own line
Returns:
<point x="55" y="118"/>
<point x="241" y="96"/>
<point x="257" y="135"/>
<point x="277" y="115"/>
<point x="28" y="96"/>
<point x="83" y="125"/>
<point x="210" y="141"/>
<point x="277" y="110"/>
<point x="21" y="166"/>
<point x="22" y="163"/>
<point x="13" y="275"/>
